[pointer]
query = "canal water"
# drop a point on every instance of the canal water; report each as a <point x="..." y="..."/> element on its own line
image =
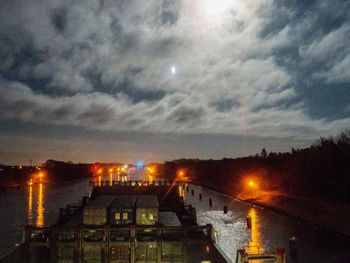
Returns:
<point x="39" y="205"/>
<point x="269" y="230"/>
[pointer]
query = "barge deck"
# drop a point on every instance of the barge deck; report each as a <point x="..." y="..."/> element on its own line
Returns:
<point x="170" y="233"/>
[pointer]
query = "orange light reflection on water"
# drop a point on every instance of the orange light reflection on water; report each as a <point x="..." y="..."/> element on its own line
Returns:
<point x="99" y="181"/>
<point x="110" y="179"/>
<point x="40" y="208"/>
<point x="254" y="245"/>
<point x="30" y="206"/>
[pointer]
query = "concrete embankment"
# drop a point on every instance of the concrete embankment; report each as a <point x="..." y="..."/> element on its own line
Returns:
<point x="320" y="214"/>
<point x="331" y="217"/>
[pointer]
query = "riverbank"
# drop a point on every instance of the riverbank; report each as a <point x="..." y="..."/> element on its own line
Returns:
<point x="333" y="217"/>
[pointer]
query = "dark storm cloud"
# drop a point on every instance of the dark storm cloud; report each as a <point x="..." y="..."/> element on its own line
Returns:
<point x="225" y="105"/>
<point x="59" y="18"/>
<point x="184" y="114"/>
<point x="261" y="68"/>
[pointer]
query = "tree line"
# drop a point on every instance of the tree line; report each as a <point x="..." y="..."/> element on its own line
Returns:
<point x="321" y="171"/>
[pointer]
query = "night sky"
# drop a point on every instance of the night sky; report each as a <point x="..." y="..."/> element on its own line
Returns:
<point x="156" y="80"/>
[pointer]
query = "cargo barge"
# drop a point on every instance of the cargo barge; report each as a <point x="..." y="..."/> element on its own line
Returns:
<point x="122" y="222"/>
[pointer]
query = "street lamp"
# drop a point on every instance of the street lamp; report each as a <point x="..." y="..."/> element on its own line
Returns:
<point x="180" y="175"/>
<point x="251" y="183"/>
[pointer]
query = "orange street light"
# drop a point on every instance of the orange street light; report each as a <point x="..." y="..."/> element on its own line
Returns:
<point x="252" y="186"/>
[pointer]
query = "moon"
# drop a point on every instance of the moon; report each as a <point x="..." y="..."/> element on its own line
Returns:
<point x="173" y="70"/>
<point x="218" y="7"/>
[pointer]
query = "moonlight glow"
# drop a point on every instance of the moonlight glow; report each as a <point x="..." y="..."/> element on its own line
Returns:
<point x="173" y="70"/>
<point x="218" y="7"/>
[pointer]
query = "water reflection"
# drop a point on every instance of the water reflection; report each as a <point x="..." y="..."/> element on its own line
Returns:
<point x="110" y="179"/>
<point x="254" y="244"/>
<point x="40" y="208"/>
<point x="30" y="206"/>
<point x="255" y="239"/>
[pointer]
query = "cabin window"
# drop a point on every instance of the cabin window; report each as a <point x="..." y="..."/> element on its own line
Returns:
<point x="117" y="216"/>
<point x="125" y="216"/>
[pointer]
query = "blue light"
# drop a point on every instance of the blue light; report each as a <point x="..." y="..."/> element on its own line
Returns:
<point x="140" y="164"/>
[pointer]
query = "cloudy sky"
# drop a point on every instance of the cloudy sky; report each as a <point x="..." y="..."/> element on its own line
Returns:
<point x="155" y="80"/>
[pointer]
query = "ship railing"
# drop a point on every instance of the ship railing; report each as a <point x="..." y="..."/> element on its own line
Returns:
<point x="81" y="236"/>
<point x="278" y="256"/>
<point x="66" y="235"/>
<point x="118" y="235"/>
<point x="36" y="234"/>
<point x="108" y="183"/>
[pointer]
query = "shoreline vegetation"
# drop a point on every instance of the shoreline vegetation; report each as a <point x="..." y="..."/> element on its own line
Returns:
<point x="51" y="172"/>
<point x="310" y="184"/>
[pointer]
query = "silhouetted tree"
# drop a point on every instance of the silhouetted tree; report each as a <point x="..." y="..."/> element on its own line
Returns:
<point x="321" y="171"/>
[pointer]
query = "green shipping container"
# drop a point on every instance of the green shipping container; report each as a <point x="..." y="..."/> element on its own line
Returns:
<point x="147" y="210"/>
<point x="172" y="251"/>
<point x="121" y="211"/>
<point x="92" y="254"/>
<point x="146" y="252"/>
<point x="119" y="253"/>
<point x="96" y="211"/>
<point x="66" y="254"/>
